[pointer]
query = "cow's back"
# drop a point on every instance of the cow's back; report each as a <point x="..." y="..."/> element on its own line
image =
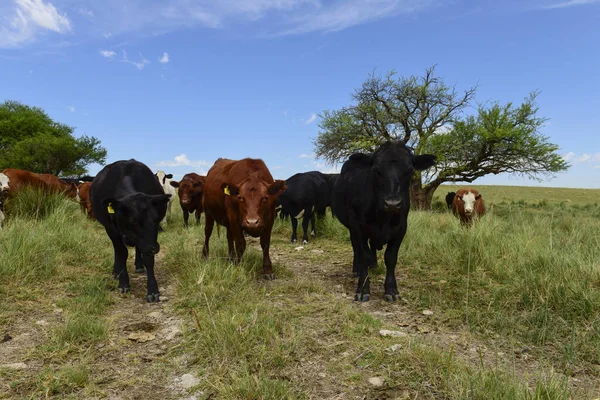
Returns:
<point x="352" y="194"/>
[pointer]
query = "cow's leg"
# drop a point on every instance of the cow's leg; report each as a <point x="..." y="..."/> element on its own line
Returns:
<point x="152" y="294"/>
<point x="305" y="220"/>
<point x="372" y="255"/>
<point x="363" y="290"/>
<point x="313" y="232"/>
<point x="120" y="263"/>
<point x="230" y="245"/>
<point x="186" y="216"/>
<point x="198" y="215"/>
<point x="208" y="228"/>
<point x="294" y="228"/>
<point x="391" y="259"/>
<point x="139" y="262"/>
<point x="265" y="244"/>
<point x="355" y="247"/>
<point x="237" y="236"/>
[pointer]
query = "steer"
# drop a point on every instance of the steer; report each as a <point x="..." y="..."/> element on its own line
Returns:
<point x="190" y="189"/>
<point x="83" y="197"/>
<point x="468" y="205"/>
<point x="165" y="182"/>
<point x="450" y="199"/>
<point x="371" y="198"/>
<point x="130" y="203"/>
<point x="241" y="195"/>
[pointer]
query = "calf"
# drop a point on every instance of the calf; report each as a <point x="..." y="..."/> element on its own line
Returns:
<point x="241" y="195"/>
<point x="450" y="199"/>
<point x="190" y="189"/>
<point x="83" y="197"/>
<point x="371" y="198"/>
<point x="130" y="203"/>
<point x="307" y="193"/>
<point x="165" y="182"/>
<point x="468" y="205"/>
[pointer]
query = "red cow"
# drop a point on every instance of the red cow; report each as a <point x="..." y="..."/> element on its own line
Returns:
<point x="190" y="189"/>
<point x="18" y="179"/>
<point x="241" y="195"/>
<point x="468" y="205"/>
<point x="83" y="197"/>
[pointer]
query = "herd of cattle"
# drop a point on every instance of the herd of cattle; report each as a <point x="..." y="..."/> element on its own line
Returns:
<point x="370" y="197"/>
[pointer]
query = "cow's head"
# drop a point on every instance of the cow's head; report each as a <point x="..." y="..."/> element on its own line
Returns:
<point x="467" y="201"/>
<point x="162" y="177"/>
<point x="4" y="181"/>
<point x="188" y="188"/>
<point x="392" y="167"/>
<point x="137" y="218"/>
<point x="255" y="201"/>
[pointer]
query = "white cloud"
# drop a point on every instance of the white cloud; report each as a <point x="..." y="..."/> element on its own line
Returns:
<point x="305" y="156"/>
<point x="581" y="159"/>
<point x="571" y="3"/>
<point x="71" y="108"/>
<point x="22" y="23"/>
<point x="139" y="64"/>
<point x="325" y="168"/>
<point x="164" y="59"/>
<point x="107" y="35"/>
<point x="108" y="53"/>
<point x="86" y="12"/>
<point x="311" y="119"/>
<point x="183" y="161"/>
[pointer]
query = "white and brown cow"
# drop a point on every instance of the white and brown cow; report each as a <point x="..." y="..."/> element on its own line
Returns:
<point x="468" y="205"/>
<point x="165" y="182"/>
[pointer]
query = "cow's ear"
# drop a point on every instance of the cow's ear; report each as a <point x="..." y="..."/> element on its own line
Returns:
<point x="362" y="158"/>
<point x="111" y="205"/>
<point x="158" y="199"/>
<point x="230" y="190"/>
<point x="478" y="197"/>
<point x="175" y="184"/>
<point x="423" y="161"/>
<point x="169" y="176"/>
<point x="277" y="187"/>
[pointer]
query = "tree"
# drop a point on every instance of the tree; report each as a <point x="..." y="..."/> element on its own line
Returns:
<point x="31" y="140"/>
<point x="429" y="117"/>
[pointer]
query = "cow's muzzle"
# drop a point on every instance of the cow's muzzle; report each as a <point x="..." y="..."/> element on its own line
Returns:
<point x="392" y="205"/>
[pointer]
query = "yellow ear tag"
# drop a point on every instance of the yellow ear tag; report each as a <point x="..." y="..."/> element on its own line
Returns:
<point x="226" y="190"/>
<point x="111" y="210"/>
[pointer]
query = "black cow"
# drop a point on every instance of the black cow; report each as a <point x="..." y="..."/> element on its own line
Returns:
<point x="130" y="203"/>
<point x="307" y="193"/>
<point x="371" y="198"/>
<point x="450" y="199"/>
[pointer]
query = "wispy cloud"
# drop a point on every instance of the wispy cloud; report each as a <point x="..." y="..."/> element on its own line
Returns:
<point x="581" y="159"/>
<point x="71" y="108"/>
<point x="138" y="64"/>
<point x="85" y="12"/>
<point x="26" y="19"/>
<point x="305" y="156"/>
<point x="570" y="3"/>
<point x="311" y="119"/>
<point x="164" y="59"/>
<point x="183" y="161"/>
<point x="107" y="53"/>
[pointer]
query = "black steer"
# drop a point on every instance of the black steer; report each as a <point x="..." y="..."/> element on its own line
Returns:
<point x="371" y="198"/>
<point x="130" y="203"/>
<point x="307" y="193"/>
<point x="450" y="199"/>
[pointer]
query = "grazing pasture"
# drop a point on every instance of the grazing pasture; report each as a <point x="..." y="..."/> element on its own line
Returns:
<point x="508" y="309"/>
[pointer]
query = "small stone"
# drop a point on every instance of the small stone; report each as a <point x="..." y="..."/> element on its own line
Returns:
<point x="42" y="322"/>
<point x="322" y="375"/>
<point x="171" y="332"/>
<point x="155" y="314"/>
<point x="164" y="298"/>
<point x="18" y="365"/>
<point x="394" y="348"/>
<point x="376" y="381"/>
<point x="188" y="381"/>
<point x="385" y="332"/>
<point x="57" y="311"/>
<point x="141" y="337"/>
<point x="443" y="281"/>
<point x="427" y="312"/>
<point x="345" y="354"/>
<point x="299" y="248"/>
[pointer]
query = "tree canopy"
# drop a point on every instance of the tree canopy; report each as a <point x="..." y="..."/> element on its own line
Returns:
<point x="31" y="140"/>
<point x="430" y="116"/>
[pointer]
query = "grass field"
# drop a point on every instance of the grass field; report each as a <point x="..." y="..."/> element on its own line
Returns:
<point x="512" y="310"/>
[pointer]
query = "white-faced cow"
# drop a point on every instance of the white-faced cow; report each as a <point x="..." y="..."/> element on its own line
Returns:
<point x="468" y="205"/>
<point x="165" y="182"/>
<point x="130" y="203"/>
<point x="371" y="198"/>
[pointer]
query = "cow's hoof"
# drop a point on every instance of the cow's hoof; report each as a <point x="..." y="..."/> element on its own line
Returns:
<point x="124" y="290"/>
<point x="313" y="234"/>
<point x="140" y="270"/>
<point x="153" y="298"/>
<point x="115" y="275"/>
<point x="269" y="277"/>
<point x="392" y="297"/>
<point x="305" y="242"/>
<point x="294" y="240"/>
<point x="362" y="297"/>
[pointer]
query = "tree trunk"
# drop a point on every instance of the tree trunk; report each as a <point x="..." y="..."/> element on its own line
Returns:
<point x="421" y="197"/>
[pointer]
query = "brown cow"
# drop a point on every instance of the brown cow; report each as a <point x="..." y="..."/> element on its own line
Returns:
<point x="18" y="179"/>
<point x="190" y="189"/>
<point x="468" y="205"/>
<point x="83" y="197"/>
<point x="241" y="195"/>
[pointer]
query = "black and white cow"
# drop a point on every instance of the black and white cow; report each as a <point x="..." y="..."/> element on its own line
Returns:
<point x="371" y="198"/>
<point x="165" y="182"/>
<point x="130" y="203"/>
<point x="307" y="193"/>
<point x="4" y="187"/>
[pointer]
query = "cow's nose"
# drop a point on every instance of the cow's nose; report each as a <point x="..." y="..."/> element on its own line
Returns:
<point x="252" y="222"/>
<point x="393" y="204"/>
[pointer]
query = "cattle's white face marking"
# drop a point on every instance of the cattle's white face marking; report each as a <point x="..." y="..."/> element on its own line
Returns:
<point x="77" y="197"/>
<point x="469" y="199"/>
<point x="4" y="181"/>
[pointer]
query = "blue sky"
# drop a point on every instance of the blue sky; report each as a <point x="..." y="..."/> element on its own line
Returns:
<point x="177" y="84"/>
